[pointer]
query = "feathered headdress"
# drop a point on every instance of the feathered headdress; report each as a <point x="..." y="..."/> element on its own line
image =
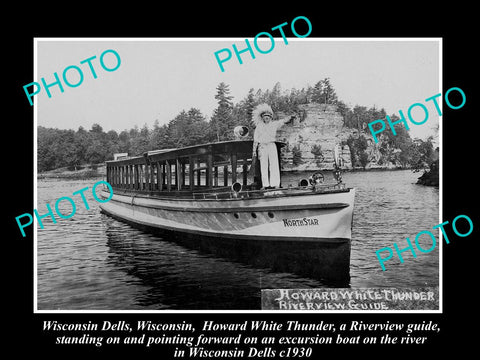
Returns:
<point x="258" y="111"/>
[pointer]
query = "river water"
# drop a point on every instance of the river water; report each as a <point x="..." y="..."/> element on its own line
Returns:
<point x="93" y="262"/>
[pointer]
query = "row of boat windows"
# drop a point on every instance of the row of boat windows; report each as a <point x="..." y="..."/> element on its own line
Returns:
<point x="149" y="177"/>
<point x="254" y="215"/>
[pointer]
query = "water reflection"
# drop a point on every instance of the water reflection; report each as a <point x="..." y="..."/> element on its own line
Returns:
<point x="183" y="278"/>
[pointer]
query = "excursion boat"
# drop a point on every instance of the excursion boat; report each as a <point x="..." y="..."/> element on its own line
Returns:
<point x="210" y="197"/>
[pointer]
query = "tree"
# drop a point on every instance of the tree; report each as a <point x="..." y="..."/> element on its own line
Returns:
<point x="96" y="129"/>
<point x="124" y="142"/>
<point x="141" y="141"/>
<point x="223" y="96"/>
<point x="275" y="97"/>
<point x="186" y="129"/>
<point x="329" y="92"/>
<point x="46" y="155"/>
<point x="359" y="116"/>
<point x="112" y="144"/>
<point x="96" y="152"/>
<point x="81" y="141"/>
<point x="296" y="155"/>
<point x="198" y="130"/>
<point x="242" y="112"/>
<point x="358" y="154"/>
<point x="249" y="105"/>
<point x="65" y="146"/>
<point x="317" y="92"/>
<point x="324" y="93"/>
<point x="422" y="154"/>
<point x="159" y="138"/>
<point x="221" y="123"/>
<point x="318" y="154"/>
<point x="291" y="100"/>
<point x="361" y="147"/>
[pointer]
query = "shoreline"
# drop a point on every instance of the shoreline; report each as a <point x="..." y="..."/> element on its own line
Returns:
<point x="83" y="174"/>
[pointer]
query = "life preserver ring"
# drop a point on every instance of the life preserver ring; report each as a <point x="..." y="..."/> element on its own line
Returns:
<point x="316" y="178"/>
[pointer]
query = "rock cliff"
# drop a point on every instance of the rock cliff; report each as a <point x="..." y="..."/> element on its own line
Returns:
<point x="313" y="136"/>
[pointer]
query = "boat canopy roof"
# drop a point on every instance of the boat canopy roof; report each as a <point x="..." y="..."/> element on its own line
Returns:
<point x="219" y="150"/>
<point x="191" y="168"/>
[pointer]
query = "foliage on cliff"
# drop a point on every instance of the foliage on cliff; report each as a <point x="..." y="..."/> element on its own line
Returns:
<point x="358" y="153"/>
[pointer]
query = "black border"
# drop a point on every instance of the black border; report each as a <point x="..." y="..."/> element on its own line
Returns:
<point x="240" y="20"/>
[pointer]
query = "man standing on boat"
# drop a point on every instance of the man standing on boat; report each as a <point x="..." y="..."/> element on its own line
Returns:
<point x="264" y="144"/>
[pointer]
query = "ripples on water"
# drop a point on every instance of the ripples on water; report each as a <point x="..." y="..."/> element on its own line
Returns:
<point x="93" y="262"/>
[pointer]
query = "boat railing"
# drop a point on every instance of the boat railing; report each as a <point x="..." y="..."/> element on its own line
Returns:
<point x="227" y="193"/>
<point x="203" y="172"/>
<point x="203" y="167"/>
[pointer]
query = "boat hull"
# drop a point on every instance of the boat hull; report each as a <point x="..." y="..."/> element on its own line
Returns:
<point x="311" y="217"/>
<point x="308" y="234"/>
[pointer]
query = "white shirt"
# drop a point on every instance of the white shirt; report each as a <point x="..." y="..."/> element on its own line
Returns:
<point x="265" y="133"/>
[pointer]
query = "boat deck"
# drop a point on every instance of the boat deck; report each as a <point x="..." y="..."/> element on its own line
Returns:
<point x="226" y="192"/>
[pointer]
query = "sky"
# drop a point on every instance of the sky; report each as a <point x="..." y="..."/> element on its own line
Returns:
<point x="158" y="78"/>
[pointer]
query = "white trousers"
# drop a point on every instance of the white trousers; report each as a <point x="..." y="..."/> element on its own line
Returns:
<point x="267" y="154"/>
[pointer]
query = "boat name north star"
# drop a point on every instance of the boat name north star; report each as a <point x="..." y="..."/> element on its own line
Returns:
<point x="300" y="222"/>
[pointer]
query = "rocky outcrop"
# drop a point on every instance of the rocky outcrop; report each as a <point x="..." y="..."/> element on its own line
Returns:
<point x="430" y="177"/>
<point x="312" y="137"/>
